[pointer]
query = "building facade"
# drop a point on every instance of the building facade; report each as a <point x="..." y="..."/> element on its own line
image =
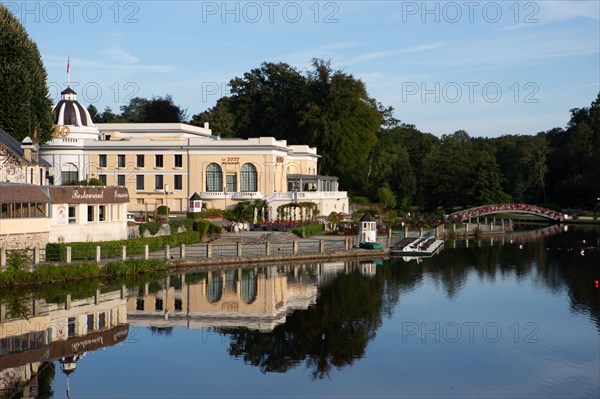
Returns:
<point x="165" y="163"/>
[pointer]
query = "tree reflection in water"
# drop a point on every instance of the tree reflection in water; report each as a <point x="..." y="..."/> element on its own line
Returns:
<point x="331" y="334"/>
<point x="335" y="332"/>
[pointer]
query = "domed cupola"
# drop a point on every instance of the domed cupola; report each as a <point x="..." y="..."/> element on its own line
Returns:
<point x="69" y="112"/>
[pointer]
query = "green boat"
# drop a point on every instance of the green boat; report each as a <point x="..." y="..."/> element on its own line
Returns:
<point x="370" y="245"/>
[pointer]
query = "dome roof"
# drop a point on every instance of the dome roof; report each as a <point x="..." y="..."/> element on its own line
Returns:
<point x="68" y="111"/>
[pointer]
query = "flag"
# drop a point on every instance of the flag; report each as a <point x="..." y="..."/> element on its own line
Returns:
<point x="68" y="64"/>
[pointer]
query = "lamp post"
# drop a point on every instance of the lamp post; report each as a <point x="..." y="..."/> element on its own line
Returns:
<point x="166" y="188"/>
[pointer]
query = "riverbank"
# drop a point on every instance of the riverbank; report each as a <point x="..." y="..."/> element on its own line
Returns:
<point x="19" y="274"/>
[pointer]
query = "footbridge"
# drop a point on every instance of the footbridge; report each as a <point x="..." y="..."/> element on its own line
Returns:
<point x="524" y="209"/>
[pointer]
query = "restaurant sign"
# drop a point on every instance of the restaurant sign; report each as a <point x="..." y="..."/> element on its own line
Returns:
<point x="88" y="195"/>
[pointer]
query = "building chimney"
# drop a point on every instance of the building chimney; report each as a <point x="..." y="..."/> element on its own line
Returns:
<point x="27" y="147"/>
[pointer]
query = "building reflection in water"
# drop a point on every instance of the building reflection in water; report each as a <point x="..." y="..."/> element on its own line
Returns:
<point x="51" y="331"/>
<point x="253" y="298"/>
<point x="256" y="298"/>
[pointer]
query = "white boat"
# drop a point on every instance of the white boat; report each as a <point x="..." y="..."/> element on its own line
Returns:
<point x="425" y="245"/>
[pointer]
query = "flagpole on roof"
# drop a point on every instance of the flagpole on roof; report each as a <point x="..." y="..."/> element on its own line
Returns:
<point x="69" y="70"/>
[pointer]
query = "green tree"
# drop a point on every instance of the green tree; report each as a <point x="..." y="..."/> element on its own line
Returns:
<point x="341" y="120"/>
<point x="162" y="110"/>
<point x="107" y="116"/>
<point x="25" y="103"/>
<point x="535" y="159"/>
<point x="387" y="199"/>
<point x="219" y="117"/>
<point x="134" y="112"/>
<point x="93" y="113"/>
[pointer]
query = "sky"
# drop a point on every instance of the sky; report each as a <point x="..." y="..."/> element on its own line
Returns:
<point x="488" y="67"/>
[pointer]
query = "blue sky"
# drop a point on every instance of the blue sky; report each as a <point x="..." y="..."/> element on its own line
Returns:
<point x="490" y="68"/>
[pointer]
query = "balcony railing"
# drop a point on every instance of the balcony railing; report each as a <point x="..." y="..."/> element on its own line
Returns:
<point x="239" y="195"/>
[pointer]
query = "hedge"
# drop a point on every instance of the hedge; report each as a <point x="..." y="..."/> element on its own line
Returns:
<point x="111" y="249"/>
<point x="308" y="229"/>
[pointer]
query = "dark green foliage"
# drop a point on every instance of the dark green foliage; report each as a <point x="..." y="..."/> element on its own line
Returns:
<point x="204" y="227"/>
<point x="48" y="273"/>
<point x="325" y="108"/>
<point x="25" y="103"/>
<point x="309" y="230"/>
<point x="162" y="210"/>
<point x="175" y="224"/>
<point x="152" y="227"/>
<point x="134" y="266"/>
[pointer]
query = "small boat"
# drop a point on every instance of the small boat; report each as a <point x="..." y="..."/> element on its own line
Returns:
<point x="370" y="245"/>
<point x="425" y="245"/>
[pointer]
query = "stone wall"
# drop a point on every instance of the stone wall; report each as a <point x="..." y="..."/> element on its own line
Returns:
<point x="24" y="240"/>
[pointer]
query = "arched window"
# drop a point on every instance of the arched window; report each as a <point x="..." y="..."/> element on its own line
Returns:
<point x="214" y="289"/>
<point x="249" y="286"/>
<point x="69" y="173"/>
<point x="214" y="178"/>
<point x="249" y="178"/>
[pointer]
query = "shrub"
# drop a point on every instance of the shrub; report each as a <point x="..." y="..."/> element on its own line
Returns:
<point x="152" y="227"/>
<point x="133" y="266"/>
<point x="175" y="224"/>
<point x="308" y="229"/>
<point x="163" y="210"/>
<point x="94" y="182"/>
<point x="360" y="200"/>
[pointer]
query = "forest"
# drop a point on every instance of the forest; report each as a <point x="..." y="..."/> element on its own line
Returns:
<point x="381" y="160"/>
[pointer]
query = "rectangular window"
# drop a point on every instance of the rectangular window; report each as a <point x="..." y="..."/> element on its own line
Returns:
<point x="101" y="320"/>
<point x="102" y="178"/>
<point x="121" y="160"/>
<point x="231" y="183"/>
<point x="68" y="176"/>
<point x="120" y="180"/>
<point x="102" y="161"/>
<point x="90" y="213"/>
<point x="140" y="161"/>
<point x="158" y="304"/>
<point x="178" y="160"/>
<point x="158" y="182"/>
<point x="178" y="304"/>
<point x="90" y="322"/>
<point x="139" y="304"/>
<point x="72" y="214"/>
<point x="178" y="182"/>
<point x="139" y="182"/>
<point x="102" y="213"/>
<point x="71" y="326"/>
<point x="159" y="161"/>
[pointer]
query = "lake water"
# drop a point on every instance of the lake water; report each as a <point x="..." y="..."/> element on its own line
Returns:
<point x="518" y="317"/>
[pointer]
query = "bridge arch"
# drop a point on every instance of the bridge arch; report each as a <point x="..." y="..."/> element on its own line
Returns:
<point x="524" y="209"/>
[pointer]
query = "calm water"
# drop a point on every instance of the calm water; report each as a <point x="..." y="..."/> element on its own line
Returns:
<point x="480" y="319"/>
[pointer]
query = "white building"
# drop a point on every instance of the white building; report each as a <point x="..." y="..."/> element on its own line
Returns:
<point x="165" y="163"/>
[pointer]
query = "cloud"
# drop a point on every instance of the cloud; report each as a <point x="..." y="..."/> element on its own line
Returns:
<point x="119" y="54"/>
<point x="390" y="53"/>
